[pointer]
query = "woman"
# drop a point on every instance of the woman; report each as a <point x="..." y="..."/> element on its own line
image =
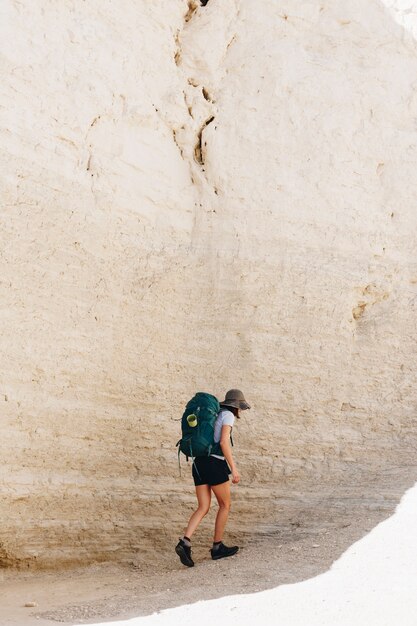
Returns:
<point x="211" y="474"/>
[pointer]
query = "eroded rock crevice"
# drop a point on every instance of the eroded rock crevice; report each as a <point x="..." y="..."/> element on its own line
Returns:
<point x="199" y="89"/>
<point x="201" y="145"/>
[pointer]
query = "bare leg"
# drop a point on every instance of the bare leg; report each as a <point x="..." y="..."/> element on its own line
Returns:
<point x="222" y="493"/>
<point x="204" y="500"/>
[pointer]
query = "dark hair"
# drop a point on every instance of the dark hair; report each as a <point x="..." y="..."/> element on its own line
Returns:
<point x="233" y="409"/>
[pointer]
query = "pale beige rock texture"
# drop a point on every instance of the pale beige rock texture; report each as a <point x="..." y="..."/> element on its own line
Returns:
<point x="196" y="199"/>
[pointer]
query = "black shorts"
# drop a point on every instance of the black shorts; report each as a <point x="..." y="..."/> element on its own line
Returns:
<point x="211" y="471"/>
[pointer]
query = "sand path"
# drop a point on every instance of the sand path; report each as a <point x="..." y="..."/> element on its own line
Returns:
<point x="304" y="543"/>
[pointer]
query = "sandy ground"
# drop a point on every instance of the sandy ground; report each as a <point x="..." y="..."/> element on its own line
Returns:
<point x="372" y="584"/>
<point x="314" y="534"/>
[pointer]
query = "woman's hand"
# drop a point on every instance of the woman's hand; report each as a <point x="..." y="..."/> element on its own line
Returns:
<point x="235" y="476"/>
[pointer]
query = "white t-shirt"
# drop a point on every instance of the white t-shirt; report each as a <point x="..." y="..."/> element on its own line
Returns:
<point x="224" y="418"/>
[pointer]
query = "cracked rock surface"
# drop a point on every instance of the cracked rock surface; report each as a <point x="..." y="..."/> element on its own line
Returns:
<point x="199" y="198"/>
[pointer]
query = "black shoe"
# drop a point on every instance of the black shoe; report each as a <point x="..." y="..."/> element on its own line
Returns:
<point x="223" y="551"/>
<point x="184" y="552"/>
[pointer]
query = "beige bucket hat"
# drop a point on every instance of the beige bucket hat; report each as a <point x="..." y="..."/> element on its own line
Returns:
<point x="235" y="398"/>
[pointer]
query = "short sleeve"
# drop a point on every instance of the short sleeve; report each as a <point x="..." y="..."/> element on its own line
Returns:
<point x="228" y="418"/>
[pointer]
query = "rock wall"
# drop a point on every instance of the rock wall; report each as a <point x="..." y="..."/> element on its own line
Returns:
<point x="196" y="199"/>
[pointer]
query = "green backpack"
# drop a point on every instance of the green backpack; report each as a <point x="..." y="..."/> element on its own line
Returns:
<point x="197" y="426"/>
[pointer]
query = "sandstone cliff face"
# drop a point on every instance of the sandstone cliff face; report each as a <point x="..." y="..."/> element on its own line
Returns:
<point x="196" y="199"/>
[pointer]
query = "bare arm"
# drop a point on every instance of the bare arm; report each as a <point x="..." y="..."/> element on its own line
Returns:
<point x="227" y="451"/>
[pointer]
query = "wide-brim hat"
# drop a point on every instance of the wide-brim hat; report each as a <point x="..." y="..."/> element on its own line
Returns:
<point x="236" y="399"/>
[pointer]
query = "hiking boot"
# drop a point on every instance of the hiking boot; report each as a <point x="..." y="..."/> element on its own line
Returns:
<point x="184" y="552"/>
<point x="223" y="551"/>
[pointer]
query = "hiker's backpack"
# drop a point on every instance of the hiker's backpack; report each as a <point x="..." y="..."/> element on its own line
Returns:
<point x="197" y="426"/>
